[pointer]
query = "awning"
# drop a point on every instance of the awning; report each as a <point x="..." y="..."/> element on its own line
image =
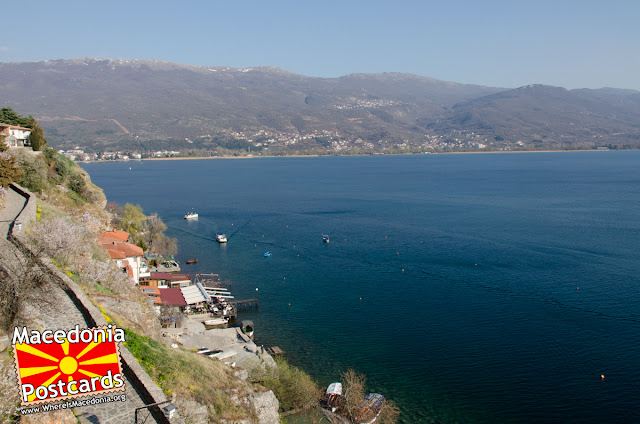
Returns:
<point x="194" y="294"/>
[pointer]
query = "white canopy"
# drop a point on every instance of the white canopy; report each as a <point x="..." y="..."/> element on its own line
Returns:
<point x="194" y="294"/>
<point x="334" y="389"/>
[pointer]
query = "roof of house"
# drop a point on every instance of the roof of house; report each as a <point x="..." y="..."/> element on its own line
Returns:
<point x="128" y="249"/>
<point x="15" y="127"/>
<point x="169" y="276"/>
<point x="117" y="235"/>
<point x="172" y="297"/>
<point x="153" y="292"/>
<point x="115" y="254"/>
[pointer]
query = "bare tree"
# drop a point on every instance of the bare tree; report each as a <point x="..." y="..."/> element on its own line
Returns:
<point x="22" y="282"/>
<point x="169" y="315"/>
<point x="61" y="239"/>
<point x="354" y="390"/>
<point x="354" y="387"/>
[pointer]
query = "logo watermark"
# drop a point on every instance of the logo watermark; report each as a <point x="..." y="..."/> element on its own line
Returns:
<point x="61" y="365"/>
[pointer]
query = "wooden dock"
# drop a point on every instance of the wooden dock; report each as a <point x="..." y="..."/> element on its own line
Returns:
<point x="275" y="351"/>
<point x="244" y="304"/>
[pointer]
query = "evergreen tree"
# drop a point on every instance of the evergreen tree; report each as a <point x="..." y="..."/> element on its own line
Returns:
<point x="9" y="116"/>
<point x="37" y="138"/>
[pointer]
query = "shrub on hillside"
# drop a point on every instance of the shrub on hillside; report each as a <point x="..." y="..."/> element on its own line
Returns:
<point x="61" y="239"/>
<point x="34" y="172"/>
<point x="293" y="387"/>
<point x="10" y="171"/>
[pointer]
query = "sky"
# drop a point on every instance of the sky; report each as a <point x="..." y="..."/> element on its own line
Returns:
<point x="566" y="43"/>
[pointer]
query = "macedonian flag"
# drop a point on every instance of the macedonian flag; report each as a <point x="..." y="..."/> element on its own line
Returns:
<point x="68" y="366"/>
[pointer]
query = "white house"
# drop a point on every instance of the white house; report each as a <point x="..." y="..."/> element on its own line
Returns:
<point x="15" y="136"/>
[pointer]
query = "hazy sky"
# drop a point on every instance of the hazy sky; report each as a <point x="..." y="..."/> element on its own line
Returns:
<point x="567" y="43"/>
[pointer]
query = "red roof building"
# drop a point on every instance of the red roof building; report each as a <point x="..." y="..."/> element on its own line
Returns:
<point x="172" y="297"/>
<point x="127" y="256"/>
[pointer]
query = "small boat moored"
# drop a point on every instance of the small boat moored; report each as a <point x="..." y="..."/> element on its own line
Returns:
<point x="333" y="397"/>
<point x="191" y="215"/>
<point x="215" y="322"/>
<point x="192" y="261"/>
<point x="247" y="327"/>
<point x="325" y="238"/>
<point x="221" y="238"/>
<point x="267" y="254"/>
<point x="370" y="408"/>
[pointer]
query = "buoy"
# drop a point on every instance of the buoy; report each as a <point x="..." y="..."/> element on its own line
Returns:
<point x="577" y="288"/>
<point x="385" y="236"/>
<point x="402" y="269"/>
<point x="289" y="304"/>
<point x="294" y="245"/>
<point x="602" y="376"/>
<point x="360" y="298"/>
<point x="397" y="253"/>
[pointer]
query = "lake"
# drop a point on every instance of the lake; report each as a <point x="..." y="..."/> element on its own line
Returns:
<point x="472" y="288"/>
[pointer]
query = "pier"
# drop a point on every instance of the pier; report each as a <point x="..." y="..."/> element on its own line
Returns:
<point x="245" y="304"/>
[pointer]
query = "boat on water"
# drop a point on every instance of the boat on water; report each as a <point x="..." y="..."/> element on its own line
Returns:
<point x="370" y="408"/>
<point x="192" y="261"/>
<point x="325" y="238"/>
<point x="332" y="398"/>
<point x="221" y="238"/>
<point x="191" y="215"/>
<point x="247" y="327"/>
<point x="267" y="254"/>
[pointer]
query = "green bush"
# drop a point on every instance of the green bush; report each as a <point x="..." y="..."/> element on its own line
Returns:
<point x="293" y="387"/>
<point x="35" y="174"/>
<point x="77" y="183"/>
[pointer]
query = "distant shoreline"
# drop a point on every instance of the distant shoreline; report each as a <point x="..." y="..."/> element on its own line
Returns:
<point x="374" y="154"/>
<point x="385" y="154"/>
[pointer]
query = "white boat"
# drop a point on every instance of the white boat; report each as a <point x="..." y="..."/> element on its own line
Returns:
<point x="221" y="238"/>
<point x="215" y="322"/>
<point x="333" y="397"/>
<point x="191" y="215"/>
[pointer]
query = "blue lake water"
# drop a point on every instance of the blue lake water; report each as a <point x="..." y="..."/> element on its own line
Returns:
<point x="468" y="288"/>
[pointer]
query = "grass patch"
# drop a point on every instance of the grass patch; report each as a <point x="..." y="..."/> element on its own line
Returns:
<point x="97" y="288"/>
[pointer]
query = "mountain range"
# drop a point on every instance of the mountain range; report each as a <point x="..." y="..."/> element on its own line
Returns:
<point x="146" y="105"/>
